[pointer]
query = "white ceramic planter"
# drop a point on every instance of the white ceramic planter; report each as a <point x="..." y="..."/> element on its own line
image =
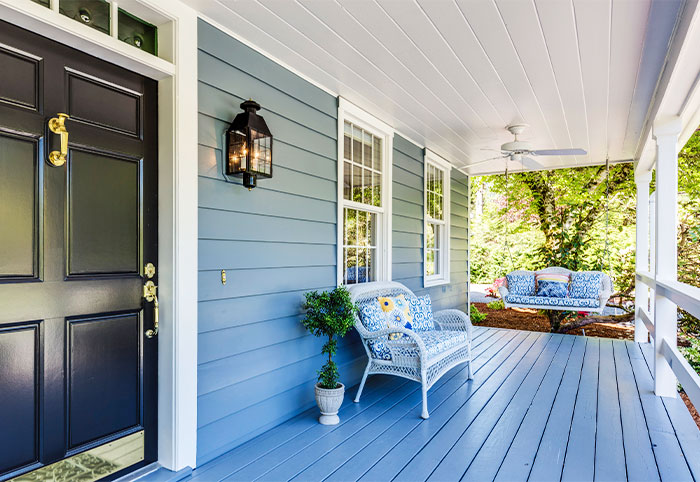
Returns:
<point x="329" y="401"/>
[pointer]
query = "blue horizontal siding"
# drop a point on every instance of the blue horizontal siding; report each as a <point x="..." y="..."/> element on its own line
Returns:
<point x="407" y="228"/>
<point x="257" y="364"/>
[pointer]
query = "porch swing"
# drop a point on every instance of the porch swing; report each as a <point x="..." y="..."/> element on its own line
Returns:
<point x="557" y="288"/>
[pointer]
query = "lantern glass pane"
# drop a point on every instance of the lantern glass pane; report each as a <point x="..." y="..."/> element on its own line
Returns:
<point x="261" y="155"/>
<point x="93" y="13"/>
<point x="237" y="152"/>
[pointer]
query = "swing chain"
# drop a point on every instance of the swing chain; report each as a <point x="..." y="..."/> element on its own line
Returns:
<point x="606" y="250"/>
<point x="505" y="238"/>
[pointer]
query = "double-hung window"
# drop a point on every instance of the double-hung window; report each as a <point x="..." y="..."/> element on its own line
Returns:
<point x="436" y="237"/>
<point x="364" y="196"/>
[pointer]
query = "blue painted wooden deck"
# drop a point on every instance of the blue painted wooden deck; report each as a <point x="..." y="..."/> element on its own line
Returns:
<point x="541" y="407"/>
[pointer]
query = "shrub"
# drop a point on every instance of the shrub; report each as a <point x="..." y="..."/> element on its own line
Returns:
<point x="692" y="353"/>
<point x="496" y="305"/>
<point x="329" y="314"/>
<point x="475" y="315"/>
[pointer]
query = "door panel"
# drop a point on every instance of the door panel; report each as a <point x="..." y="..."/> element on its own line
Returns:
<point x="73" y="243"/>
<point x="87" y="95"/>
<point x="19" y="376"/>
<point x="19" y="207"/>
<point x="19" y="78"/>
<point x="104" y="376"/>
<point x="104" y="214"/>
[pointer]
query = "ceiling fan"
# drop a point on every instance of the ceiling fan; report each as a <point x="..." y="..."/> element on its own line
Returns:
<point x="520" y="151"/>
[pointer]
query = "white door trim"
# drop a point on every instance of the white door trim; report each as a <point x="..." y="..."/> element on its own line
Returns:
<point x="176" y="73"/>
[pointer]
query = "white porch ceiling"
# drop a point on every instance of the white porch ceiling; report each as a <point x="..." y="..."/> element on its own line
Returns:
<point x="451" y="74"/>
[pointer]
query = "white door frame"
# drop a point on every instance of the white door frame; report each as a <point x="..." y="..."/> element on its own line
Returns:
<point x="176" y="73"/>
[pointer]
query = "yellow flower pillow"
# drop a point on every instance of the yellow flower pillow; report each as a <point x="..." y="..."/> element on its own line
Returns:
<point x="397" y="313"/>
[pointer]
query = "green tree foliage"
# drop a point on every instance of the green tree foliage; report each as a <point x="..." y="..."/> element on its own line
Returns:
<point x="557" y="218"/>
<point x="329" y="314"/>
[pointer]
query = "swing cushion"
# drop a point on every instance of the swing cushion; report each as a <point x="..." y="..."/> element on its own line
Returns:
<point x="521" y="284"/>
<point x="546" y="301"/>
<point x="552" y="285"/>
<point x="585" y="285"/>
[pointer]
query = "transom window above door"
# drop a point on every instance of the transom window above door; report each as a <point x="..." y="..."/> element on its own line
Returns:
<point x="363" y="200"/>
<point x="437" y="221"/>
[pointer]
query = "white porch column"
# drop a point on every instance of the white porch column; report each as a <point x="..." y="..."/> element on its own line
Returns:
<point x="641" y="291"/>
<point x="665" y="132"/>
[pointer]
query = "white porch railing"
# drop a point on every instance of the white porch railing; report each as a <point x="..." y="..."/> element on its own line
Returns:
<point x="658" y="293"/>
<point x="685" y="297"/>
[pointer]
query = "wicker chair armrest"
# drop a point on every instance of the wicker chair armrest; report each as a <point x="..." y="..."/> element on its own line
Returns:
<point x="453" y="320"/>
<point x="503" y="291"/>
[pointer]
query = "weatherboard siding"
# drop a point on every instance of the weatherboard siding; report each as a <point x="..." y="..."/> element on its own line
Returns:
<point x="256" y="364"/>
<point x="407" y="229"/>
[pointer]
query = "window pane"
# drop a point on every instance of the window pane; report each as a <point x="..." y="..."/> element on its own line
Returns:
<point x="356" y="145"/>
<point x="351" y="266"/>
<point x="377" y="189"/>
<point x="357" y="183"/>
<point x="377" y="154"/>
<point x="347" y="180"/>
<point x="347" y="146"/>
<point x="430" y="263"/>
<point x="367" y="157"/>
<point x="350" y="227"/>
<point x="430" y="236"/>
<point x="372" y="229"/>
<point x="367" y="191"/>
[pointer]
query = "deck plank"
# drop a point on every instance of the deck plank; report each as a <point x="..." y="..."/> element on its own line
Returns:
<point x="667" y="451"/>
<point x="541" y="407"/>
<point x="405" y="451"/>
<point x="497" y="422"/>
<point x="639" y="455"/>
<point x="579" y="462"/>
<point x="409" y="409"/>
<point x="491" y="401"/>
<point x="683" y="424"/>
<point x="258" y="447"/>
<point x="409" y="427"/>
<point x="609" y="447"/>
<point x="493" y="453"/>
<point x="520" y="456"/>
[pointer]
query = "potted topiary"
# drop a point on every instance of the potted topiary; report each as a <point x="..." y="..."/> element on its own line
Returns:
<point x="329" y="314"/>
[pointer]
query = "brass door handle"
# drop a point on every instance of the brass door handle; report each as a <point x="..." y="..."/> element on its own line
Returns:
<point x="150" y="293"/>
<point x="57" y="125"/>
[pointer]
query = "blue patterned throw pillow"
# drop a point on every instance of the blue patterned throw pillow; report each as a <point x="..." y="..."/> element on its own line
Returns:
<point x="552" y="285"/>
<point x="373" y="319"/>
<point x="521" y="284"/>
<point x="585" y="285"/>
<point x="422" y="313"/>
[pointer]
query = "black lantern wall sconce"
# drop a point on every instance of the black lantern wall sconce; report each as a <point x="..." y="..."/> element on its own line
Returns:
<point x="249" y="146"/>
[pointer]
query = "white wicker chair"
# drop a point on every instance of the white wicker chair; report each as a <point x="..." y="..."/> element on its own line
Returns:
<point x="543" y="303"/>
<point x="409" y="355"/>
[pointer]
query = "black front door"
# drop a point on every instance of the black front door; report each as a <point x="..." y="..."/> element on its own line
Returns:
<point x="77" y="370"/>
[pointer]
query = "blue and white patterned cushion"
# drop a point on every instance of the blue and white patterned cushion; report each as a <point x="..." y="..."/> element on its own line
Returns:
<point x="521" y="284"/>
<point x="585" y="285"/>
<point x="546" y="301"/>
<point x="422" y="313"/>
<point x="373" y="319"/>
<point x="552" y="289"/>
<point x="437" y="341"/>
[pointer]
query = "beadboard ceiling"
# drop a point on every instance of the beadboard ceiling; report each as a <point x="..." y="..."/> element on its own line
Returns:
<point x="451" y="74"/>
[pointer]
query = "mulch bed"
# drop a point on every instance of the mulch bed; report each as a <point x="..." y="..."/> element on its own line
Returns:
<point x="531" y="320"/>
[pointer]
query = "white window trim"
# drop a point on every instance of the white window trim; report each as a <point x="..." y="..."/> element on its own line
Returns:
<point x="430" y="158"/>
<point x="353" y="114"/>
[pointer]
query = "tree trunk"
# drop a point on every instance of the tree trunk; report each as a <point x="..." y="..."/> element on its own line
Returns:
<point x="555" y="318"/>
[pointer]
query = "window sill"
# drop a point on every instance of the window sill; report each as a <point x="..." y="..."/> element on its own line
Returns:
<point x="429" y="283"/>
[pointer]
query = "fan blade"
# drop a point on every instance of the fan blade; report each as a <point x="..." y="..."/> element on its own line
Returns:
<point x="560" y="152"/>
<point x="484" y="161"/>
<point x="530" y="163"/>
<point x="487" y="149"/>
